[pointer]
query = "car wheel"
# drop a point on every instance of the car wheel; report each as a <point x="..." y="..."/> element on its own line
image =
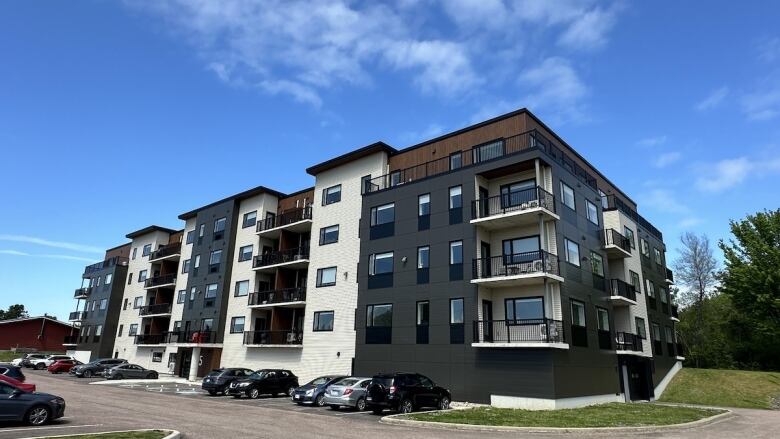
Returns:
<point x="254" y="393"/>
<point x="334" y="407"/>
<point x="405" y="407"/>
<point x="40" y="366"/>
<point x="38" y="415"/>
<point x="87" y="373"/>
<point x="444" y="403"/>
<point x="212" y="393"/>
<point x="117" y="376"/>
<point x="290" y="391"/>
<point x="224" y="391"/>
<point x="319" y="401"/>
<point x="151" y="376"/>
<point x="360" y="405"/>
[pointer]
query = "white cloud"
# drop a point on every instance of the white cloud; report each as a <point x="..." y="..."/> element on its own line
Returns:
<point x="665" y="201"/>
<point x="769" y="49"/>
<point x="431" y="131"/>
<point x="713" y="100"/>
<point x="13" y="253"/>
<point x="588" y="30"/>
<point x="725" y="174"/>
<point x="49" y="243"/>
<point x="50" y="256"/>
<point x="555" y="86"/>
<point x="762" y="104"/>
<point x="667" y="159"/>
<point x="689" y="222"/>
<point x="652" y="141"/>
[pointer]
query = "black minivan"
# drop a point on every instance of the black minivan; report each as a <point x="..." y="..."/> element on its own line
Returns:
<point x="405" y="393"/>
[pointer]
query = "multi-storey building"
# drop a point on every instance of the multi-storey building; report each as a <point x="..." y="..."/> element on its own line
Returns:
<point x="494" y="259"/>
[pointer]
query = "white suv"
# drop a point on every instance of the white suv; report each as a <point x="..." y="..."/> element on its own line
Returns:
<point x="29" y="357"/>
<point x="41" y="364"/>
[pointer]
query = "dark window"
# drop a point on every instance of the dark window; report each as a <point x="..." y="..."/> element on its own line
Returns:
<point x="210" y="296"/>
<point x="423" y="320"/>
<point x="190" y="237"/>
<point x="456" y="252"/>
<point x="135" y="250"/>
<point x="456" y="160"/>
<point x="329" y="235"/>
<point x="380" y="263"/>
<point x="242" y="288"/>
<point x="157" y="357"/>
<point x="579" y="332"/>
<point x="365" y="183"/>
<point x="121" y="328"/>
<point x="383" y="214"/>
<point x="424" y="205"/>
<point x="331" y="195"/>
<point x="215" y="258"/>
<point x="630" y="236"/>
<point x="245" y="253"/>
<point x="323" y="321"/>
<point x="567" y="196"/>
<point x="572" y="252"/>
<point x="379" y="324"/>
<point x="456" y="321"/>
<point x="456" y="197"/>
<point x="237" y="325"/>
<point x="182" y="296"/>
<point x="219" y="225"/>
<point x="423" y="257"/>
<point x="250" y="219"/>
<point x="142" y="275"/>
<point x="488" y="151"/>
<point x="147" y="250"/>
<point x="525" y="308"/>
<point x="185" y="266"/>
<point x="515" y="194"/>
<point x="133" y="329"/>
<point x="519" y="250"/>
<point x="130" y="278"/>
<point x="326" y="277"/>
<point x="593" y="212"/>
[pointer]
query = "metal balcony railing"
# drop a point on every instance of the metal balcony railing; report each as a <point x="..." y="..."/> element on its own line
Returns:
<point x="77" y="315"/>
<point x="280" y="257"/>
<point x="150" y="339"/>
<point x="625" y="341"/>
<point x="159" y="308"/>
<point x="292" y="337"/>
<point x="517" y="201"/>
<point x="285" y="218"/>
<point x="160" y="280"/>
<point x="166" y="250"/>
<point x="613" y="237"/>
<point x="533" y="262"/>
<point x="285" y="295"/>
<point x="519" y="331"/>
<point x="621" y="288"/>
<point x="110" y="262"/>
<point x="82" y="292"/>
<point x="196" y="337"/>
<point x="616" y="203"/>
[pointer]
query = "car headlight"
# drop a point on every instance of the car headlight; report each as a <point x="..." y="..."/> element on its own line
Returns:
<point x="310" y="392"/>
<point x="243" y="385"/>
<point x="58" y="401"/>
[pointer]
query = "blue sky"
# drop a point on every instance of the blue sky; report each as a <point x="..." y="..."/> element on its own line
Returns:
<point x="116" y="115"/>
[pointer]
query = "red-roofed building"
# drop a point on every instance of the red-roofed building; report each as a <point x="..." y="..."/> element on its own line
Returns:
<point x="42" y="333"/>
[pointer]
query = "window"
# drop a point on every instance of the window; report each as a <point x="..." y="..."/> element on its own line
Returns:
<point x="202" y="230"/>
<point x="103" y="304"/>
<point x="215" y="258"/>
<point x="250" y="219"/>
<point x="380" y="263"/>
<point x="456" y="311"/>
<point x="190" y="237"/>
<point x="525" y="308"/>
<point x="379" y="315"/>
<point x="488" y="151"/>
<point x="567" y="196"/>
<point x="185" y="266"/>
<point x="211" y="291"/>
<point x="577" y="313"/>
<point x="424" y="205"/>
<point x="219" y="225"/>
<point x="197" y="261"/>
<point x="97" y="281"/>
<point x="383" y="214"/>
<point x="329" y="235"/>
<point x="656" y="332"/>
<point x="157" y="357"/>
<point x="650" y="288"/>
<point x="423" y="257"/>
<point x="423" y="313"/>
<point x="94" y="305"/>
<point x="142" y="275"/>
<point x="331" y="195"/>
<point x="182" y="296"/>
<point x="657" y="254"/>
<point x="661" y="292"/>
<point x="641" y="330"/>
<point x="109" y="278"/>
<point x="456" y="252"/>
<point x="456" y="197"/>
<point x="130" y="278"/>
<point x="645" y="248"/>
<point x="668" y="334"/>
<point x="242" y="288"/>
<point x="593" y="212"/>
<point x="237" y="325"/>
<point x="519" y="250"/>
<point x="323" y="321"/>
<point x="135" y="250"/>
<point x="147" y="250"/>
<point x="138" y="302"/>
<point x="597" y="264"/>
<point x="121" y="328"/>
<point x="604" y="200"/>
<point x="635" y="281"/>
<point x="133" y="329"/>
<point x="326" y="277"/>
<point x="245" y="253"/>
<point x="125" y="304"/>
<point x="365" y="184"/>
<point x="207" y="325"/>
<point x="572" y="252"/>
<point x="456" y="160"/>
<point x="602" y="317"/>
<point x="630" y="236"/>
<point x="193" y="292"/>
<point x="98" y="330"/>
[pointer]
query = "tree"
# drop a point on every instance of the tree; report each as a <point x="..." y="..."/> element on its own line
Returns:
<point x="14" y="312"/>
<point x="716" y="350"/>
<point x="696" y="270"/>
<point x="752" y="281"/>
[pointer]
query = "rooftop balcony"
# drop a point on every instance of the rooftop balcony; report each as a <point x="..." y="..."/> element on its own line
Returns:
<point x="528" y="333"/>
<point x="515" y="209"/>
<point x="621" y="292"/>
<point x="170" y="251"/>
<point x="82" y="293"/>
<point x="669" y="276"/>
<point x="295" y="258"/>
<point x="157" y="310"/>
<point x="110" y="262"/>
<point x="616" y="203"/>
<point x="529" y="268"/>
<point x="269" y="339"/>
<point x="627" y="343"/>
<point x="296" y="220"/>
<point x="77" y="316"/>
<point x="287" y="297"/>
<point x="166" y="280"/>
<point x="615" y="244"/>
<point x="150" y="339"/>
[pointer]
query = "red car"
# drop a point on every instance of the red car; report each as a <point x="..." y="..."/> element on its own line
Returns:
<point x="16" y="383"/>
<point x="60" y="366"/>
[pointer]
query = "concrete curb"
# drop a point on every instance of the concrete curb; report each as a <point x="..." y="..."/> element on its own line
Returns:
<point x="174" y="434"/>
<point x="398" y="420"/>
<point x="143" y="381"/>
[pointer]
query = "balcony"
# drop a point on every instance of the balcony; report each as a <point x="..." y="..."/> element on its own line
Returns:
<point x="615" y="203"/>
<point x="530" y="268"/>
<point x="160" y="309"/>
<point x="615" y="244"/>
<point x="515" y="209"/>
<point x="170" y="251"/>
<point x="627" y="343"/>
<point x="287" y="297"/>
<point x="270" y="339"/>
<point x="70" y="340"/>
<point x="675" y="314"/>
<point x="77" y="316"/>
<point x="530" y="333"/>
<point x="296" y="220"/>
<point x="621" y="292"/>
<point x="295" y="258"/>
<point x="110" y="262"/>
<point x="150" y="339"/>
<point x="167" y="280"/>
<point x="669" y="277"/>
<point x="190" y="337"/>
<point x="82" y="293"/>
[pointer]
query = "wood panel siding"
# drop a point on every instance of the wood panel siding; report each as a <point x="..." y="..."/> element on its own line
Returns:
<point x="122" y="251"/>
<point x="296" y="200"/>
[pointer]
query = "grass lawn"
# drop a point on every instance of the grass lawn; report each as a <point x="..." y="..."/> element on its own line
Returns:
<point x="725" y="388"/>
<point x="153" y="434"/>
<point x="604" y="415"/>
<point x="7" y="356"/>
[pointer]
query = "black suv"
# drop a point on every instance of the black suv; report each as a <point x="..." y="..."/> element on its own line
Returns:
<point x="96" y="367"/>
<point x="405" y="393"/>
<point x="264" y="381"/>
<point x="218" y="380"/>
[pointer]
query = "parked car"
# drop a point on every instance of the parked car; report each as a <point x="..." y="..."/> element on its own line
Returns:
<point x="28" y="357"/>
<point x="264" y="381"/>
<point x="63" y="366"/>
<point x="218" y="380"/>
<point x="96" y="367"/>
<point x="348" y="392"/>
<point x="27" y="360"/>
<point x="32" y="408"/>
<point x="12" y="371"/>
<point x="128" y="370"/>
<point x="405" y="393"/>
<point x="43" y="363"/>
<point x="314" y="391"/>
<point x="14" y="382"/>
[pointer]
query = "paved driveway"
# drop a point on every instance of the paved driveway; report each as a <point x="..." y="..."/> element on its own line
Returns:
<point x="94" y="408"/>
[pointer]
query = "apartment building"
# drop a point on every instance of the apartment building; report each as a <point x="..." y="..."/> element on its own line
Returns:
<point x="494" y="259"/>
<point x="98" y="301"/>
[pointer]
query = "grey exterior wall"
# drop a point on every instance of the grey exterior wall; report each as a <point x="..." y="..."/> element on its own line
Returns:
<point x="108" y="317"/>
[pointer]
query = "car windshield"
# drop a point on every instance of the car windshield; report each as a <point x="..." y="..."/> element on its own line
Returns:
<point x="258" y="374"/>
<point x="347" y="382"/>
<point x="318" y="381"/>
<point x="215" y="372"/>
<point x="385" y="381"/>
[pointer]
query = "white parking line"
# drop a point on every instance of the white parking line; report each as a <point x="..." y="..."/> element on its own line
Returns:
<point x="2" y="430"/>
<point x="351" y="413"/>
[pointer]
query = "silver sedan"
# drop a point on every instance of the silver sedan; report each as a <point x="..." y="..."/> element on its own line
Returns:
<point x="348" y="392"/>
